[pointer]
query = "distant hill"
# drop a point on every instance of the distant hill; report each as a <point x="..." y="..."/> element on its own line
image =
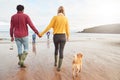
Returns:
<point x="111" y="28"/>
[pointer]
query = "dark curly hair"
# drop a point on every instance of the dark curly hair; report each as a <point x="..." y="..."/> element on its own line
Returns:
<point x="20" y="7"/>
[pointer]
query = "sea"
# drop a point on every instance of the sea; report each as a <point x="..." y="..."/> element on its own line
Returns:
<point x="4" y="36"/>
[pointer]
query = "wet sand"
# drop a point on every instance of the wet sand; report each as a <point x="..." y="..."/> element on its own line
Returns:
<point x="101" y="61"/>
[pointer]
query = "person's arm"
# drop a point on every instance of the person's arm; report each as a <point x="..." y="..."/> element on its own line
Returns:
<point x="67" y="30"/>
<point x="32" y="26"/>
<point x="48" y="27"/>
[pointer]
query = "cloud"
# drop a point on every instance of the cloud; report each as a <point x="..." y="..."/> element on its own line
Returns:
<point x="81" y="13"/>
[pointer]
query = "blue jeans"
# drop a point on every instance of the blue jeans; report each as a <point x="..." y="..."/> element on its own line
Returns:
<point x="22" y="42"/>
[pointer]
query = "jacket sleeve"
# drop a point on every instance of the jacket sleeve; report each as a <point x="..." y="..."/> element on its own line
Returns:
<point x="67" y="29"/>
<point x="31" y="25"/>
<point x="51" y="24"/>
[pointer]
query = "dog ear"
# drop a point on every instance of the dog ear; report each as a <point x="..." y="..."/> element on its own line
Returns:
<point x="73" y="61"/>
<point x="80" y="54"/>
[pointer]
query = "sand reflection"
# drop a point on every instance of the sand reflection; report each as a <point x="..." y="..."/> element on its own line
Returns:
<point x="57" y="76"/>
<point x="34" y="47"/>
<point x="21" y="74"/>
<point x="48" y="43"/>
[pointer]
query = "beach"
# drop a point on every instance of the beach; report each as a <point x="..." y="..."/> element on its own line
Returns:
<point x="101" y="60"/>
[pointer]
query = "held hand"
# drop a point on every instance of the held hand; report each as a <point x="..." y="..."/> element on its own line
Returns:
<point x="12" y="39"/>
<point x="39" y="35"/>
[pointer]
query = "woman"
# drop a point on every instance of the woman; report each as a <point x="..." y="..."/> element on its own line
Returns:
<point x="60" y="26"/>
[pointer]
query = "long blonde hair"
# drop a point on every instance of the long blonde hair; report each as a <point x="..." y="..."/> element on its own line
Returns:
<point x="61" y="10"/>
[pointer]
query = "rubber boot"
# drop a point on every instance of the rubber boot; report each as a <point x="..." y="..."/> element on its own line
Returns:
<point x="24" y="55"/>
<point x="59" y="64"/>
<point x="21" y="61"/>
<point x="19" y="56"/>
<point x="55" y="64"/>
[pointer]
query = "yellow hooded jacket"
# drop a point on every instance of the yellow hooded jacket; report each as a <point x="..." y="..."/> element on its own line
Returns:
<point x="59" y="24"/>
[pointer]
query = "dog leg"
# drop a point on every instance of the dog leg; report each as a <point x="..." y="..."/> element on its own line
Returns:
<point x="80" y="68"/>
<point x="77" y="71"/>
<point x="73" y="72"/>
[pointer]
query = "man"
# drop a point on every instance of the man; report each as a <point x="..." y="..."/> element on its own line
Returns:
<point x="19" y="32"/>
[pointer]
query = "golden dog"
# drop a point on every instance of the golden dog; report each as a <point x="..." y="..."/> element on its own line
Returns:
<point x="77" y="64"/>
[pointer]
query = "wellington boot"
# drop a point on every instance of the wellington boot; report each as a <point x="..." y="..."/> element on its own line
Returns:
<point x="59" y="64"/>
<point x="21" y="61"/>
<point x="24" y="55"/>
<point x="19" y="56"/>
<point x="55" y="64"/>
<point x="22" y="65"/>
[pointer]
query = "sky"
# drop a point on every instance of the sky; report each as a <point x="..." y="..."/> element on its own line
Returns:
<point x="81" y="14"/>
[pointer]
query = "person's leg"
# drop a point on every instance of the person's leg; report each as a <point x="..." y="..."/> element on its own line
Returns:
<point x="62" y="44"/>
<point x="48" y="36"/>
<point x="19" y="46"/>
<point x="56" y="44"/>
<point x="33" y="40"/>
<point x="61" y="49"/>
<point x="25" y="44"/>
